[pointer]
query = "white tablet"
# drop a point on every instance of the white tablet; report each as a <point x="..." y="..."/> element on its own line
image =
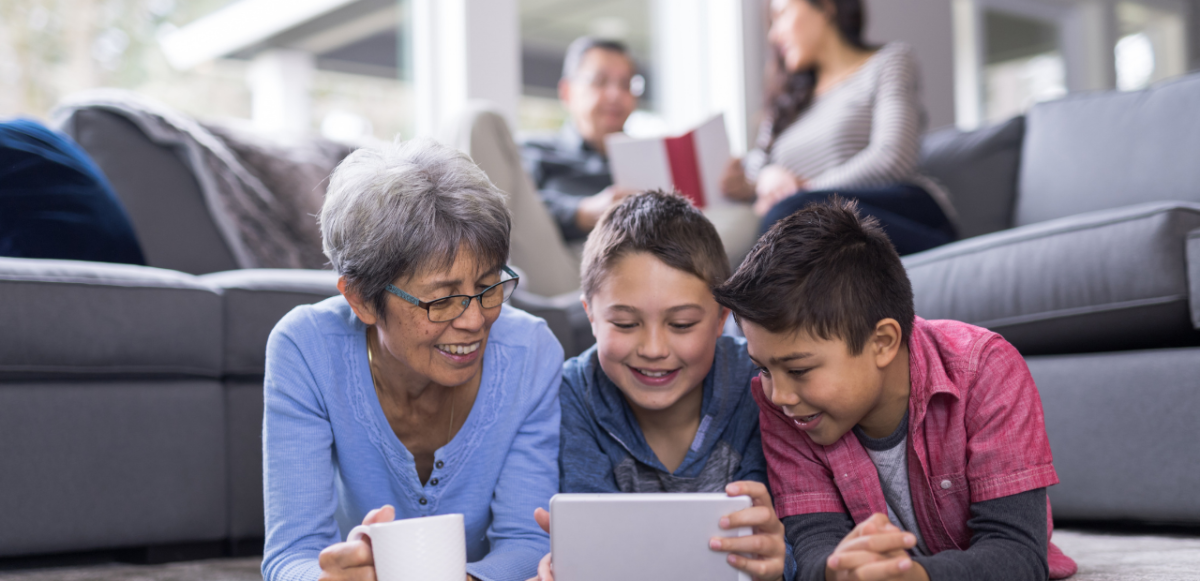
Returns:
<point x="635" y="537"/>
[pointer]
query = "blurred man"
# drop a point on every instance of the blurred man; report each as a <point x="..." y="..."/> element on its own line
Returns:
<point x="599" y="89"/>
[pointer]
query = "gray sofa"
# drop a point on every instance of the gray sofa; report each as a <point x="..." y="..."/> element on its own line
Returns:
<point x="1096" y="280"/>
<point x="131" y="397"/>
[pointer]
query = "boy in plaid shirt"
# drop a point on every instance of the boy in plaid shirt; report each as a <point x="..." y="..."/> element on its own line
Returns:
<point x="897" y="448"/>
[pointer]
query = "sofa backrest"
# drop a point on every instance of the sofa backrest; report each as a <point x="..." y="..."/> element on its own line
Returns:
<point x="1106" y="150"/>
<point x="979" y="171"/>
<point x="159" y="192"/>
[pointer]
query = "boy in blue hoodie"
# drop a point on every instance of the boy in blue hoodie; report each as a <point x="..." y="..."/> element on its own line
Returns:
<point x="662" y="402"/>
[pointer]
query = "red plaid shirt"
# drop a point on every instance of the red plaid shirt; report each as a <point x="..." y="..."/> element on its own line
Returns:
<point x="975" y="433"/>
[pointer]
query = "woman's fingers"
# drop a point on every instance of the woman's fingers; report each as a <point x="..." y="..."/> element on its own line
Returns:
<point x="385" y="513"/>
<point x="348" y="555"/>
<point x="542" y="516"/>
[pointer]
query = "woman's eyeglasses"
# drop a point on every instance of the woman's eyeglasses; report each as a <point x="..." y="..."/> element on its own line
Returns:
<point x="453" y="306"/>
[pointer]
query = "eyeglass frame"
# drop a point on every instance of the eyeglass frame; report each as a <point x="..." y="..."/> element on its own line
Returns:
<point x="425" y="305"/>
<point x="635" y="87"/>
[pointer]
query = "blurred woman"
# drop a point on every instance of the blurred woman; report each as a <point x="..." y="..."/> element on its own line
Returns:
<point x="844" y="118"/>
<point x="417" y="392"/>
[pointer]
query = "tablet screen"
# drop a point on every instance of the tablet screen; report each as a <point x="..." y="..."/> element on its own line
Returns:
<point x="634" y="537"/>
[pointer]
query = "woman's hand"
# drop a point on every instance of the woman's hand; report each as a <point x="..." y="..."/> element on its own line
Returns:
<point x="775" y="183"/>
<point x="734" y="184"/>
<point x="766" y="544"/>
<point x="876" y="550"/>
<point x="353" y="560"/>
<point x="545" y="570"/>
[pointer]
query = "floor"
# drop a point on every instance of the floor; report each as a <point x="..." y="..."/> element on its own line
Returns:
<point x="1101" y="557"/>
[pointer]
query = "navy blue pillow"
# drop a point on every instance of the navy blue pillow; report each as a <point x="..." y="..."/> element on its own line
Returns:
<point x="55" y="203"/>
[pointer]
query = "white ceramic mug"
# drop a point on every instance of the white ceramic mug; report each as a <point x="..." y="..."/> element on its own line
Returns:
<point x="431" y="548"/>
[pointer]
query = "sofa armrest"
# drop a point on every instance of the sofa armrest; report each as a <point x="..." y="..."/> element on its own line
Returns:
<point x="1099" y="281"/>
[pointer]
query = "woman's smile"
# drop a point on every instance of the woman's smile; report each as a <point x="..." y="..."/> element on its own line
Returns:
<point x="460" y="353"/>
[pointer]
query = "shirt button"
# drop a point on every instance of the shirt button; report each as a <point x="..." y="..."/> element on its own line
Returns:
<point x="433" y="482"/>
<point x="439" y="465"/>
<point x="945" y="484"/>
<point x="423" y="501"/>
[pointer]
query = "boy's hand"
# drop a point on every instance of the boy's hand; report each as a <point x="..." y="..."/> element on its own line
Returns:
<point x="545" y="570"/>
<point x="876" y="550"/>
<point x="766" y="544"/>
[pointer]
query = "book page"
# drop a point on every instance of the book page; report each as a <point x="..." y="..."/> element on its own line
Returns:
<point x="712" y="152"/>
<point x="639" y="164"/>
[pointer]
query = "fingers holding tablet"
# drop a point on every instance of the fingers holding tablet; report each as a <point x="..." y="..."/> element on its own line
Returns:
<point x="760" y="554"/>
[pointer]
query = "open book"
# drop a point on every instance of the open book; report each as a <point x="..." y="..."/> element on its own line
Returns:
<point x="691" y="163"/>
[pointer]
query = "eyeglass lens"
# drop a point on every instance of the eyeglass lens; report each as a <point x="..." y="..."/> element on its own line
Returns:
<point x="448" y="308"/>
<point x="634" y="85"/>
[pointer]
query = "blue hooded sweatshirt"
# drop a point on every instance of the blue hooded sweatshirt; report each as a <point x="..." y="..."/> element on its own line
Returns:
<point x="603" y="449"/>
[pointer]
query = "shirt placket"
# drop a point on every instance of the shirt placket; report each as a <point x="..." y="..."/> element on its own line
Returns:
<point x="856" y="479"/>
<point x="929" y="517"/>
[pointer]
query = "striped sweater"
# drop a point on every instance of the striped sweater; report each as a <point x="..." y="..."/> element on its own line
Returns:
<point x="864" y="132"/>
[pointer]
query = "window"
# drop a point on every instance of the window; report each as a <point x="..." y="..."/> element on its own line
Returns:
<point x="1023" y="64"/>
<point x="1152" y="46"/>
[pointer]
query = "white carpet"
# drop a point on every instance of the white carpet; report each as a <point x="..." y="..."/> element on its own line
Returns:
<point x="1101" y="557"/>
<point x="1131" y="558"/>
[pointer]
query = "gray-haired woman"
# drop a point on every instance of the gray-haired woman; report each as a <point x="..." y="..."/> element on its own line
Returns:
<point x="415" y="393"/>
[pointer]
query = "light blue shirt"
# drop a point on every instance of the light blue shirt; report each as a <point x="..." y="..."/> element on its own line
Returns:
<point x="329" y="455"/>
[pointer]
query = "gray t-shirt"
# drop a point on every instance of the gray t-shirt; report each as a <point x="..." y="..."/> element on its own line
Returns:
<point x="890" y="456"/>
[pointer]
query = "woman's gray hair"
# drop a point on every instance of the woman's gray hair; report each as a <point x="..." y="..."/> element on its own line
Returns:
<point x="405" y="209"/>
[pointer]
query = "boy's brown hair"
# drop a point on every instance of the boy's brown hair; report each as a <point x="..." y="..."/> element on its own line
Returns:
<point x="824" y="270"/>
<point x="664" y="225"/>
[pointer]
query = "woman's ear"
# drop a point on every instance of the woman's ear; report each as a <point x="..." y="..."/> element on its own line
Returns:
<point x="364" y="311"/>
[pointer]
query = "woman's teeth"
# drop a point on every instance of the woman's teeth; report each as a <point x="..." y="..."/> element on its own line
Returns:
<point x="807" y="419"/>
<point x="460" y="349"/>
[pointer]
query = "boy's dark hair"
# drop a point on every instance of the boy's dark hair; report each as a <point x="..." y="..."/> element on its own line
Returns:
<point x="662" y="224"/>
<point x="824" y="270"/>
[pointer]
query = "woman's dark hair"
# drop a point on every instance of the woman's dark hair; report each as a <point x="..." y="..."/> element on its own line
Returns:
<point x="789" y="94"/>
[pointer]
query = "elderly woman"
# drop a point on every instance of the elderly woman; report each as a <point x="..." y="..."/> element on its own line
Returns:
<point x="415" y="392"/>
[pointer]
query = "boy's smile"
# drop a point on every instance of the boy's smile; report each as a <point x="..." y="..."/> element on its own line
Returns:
<point x="825" y="389"/>
<point x="656" y="331"/>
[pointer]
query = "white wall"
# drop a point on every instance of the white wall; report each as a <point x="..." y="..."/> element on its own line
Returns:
<point x="927" y="26"/>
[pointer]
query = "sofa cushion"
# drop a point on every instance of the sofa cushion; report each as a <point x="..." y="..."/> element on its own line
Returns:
<point x="158" y="190"/>
<point x="254" y="300"/>
<point x="1107" y="150"/>
<point x="111" y="463"/>
<point x="1122" y="427"/>
<point x="1115" y="279"/>
<point x="979" y="169"/>
<point x="63" y="317"/>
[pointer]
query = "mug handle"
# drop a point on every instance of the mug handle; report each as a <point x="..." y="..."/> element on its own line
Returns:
<point x="357" y="533"/>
